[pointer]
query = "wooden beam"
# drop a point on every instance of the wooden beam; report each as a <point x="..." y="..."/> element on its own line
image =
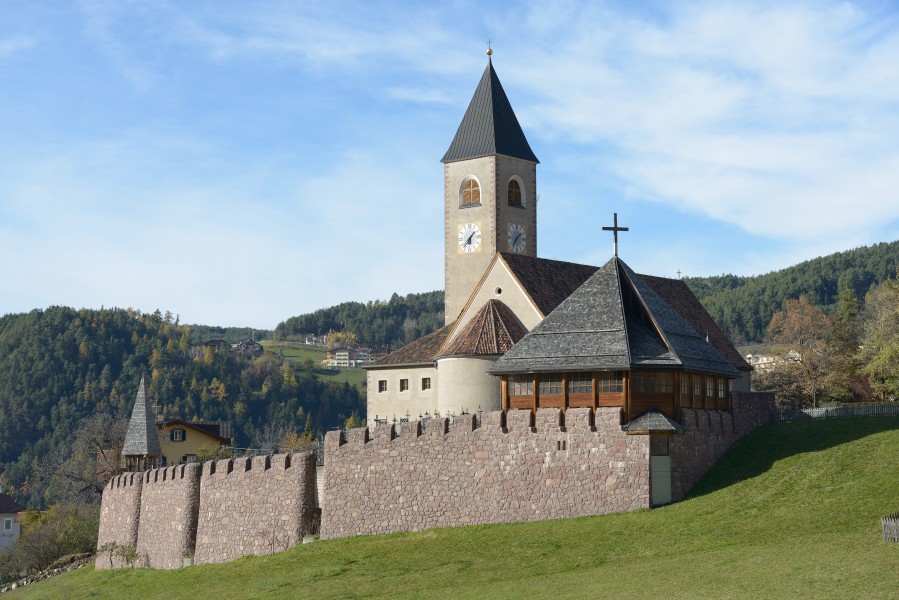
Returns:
<point x="504" y="386"/>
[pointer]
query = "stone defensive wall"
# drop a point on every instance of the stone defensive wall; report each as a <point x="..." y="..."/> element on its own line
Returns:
<point x="709" y="434"/>
<point x="532" y="467"/>
<point x="213" y="511"/>
<point x="169" y="506"/>
<point x="119" y="517"/>
<point x="254" y="505"/>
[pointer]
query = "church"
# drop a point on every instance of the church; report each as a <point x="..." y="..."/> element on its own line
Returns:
<point x="523" y="332"/>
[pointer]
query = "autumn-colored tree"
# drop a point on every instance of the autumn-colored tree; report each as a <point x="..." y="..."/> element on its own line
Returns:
<point x="801" y="333"/>
<point x="342" y="339"/>
<point x="879" y="352"/>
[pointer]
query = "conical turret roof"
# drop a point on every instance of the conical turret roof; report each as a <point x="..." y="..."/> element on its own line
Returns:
<point x="492" y="330"/>
<point x="142" y="439"/>
<point x="489" y="126"/>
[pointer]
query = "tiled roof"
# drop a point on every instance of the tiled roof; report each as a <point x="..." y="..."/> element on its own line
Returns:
<point x="489" y="126"/>
<point x="423" y="350"/>
<point x="8" y="505"/>
<point x="141" y="438"/>
<point x="613" y="321"/>
<point x="210" y="429"/>
<point x="493" y="330"/>
<point x="547" y="282"/>
<point x="653" y="421"/>
<point x="676" y="293"/>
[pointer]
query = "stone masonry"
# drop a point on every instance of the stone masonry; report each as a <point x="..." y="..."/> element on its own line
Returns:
<point x="169" y="507"/>
<point x="254" y="505"/>
<point x="409" y="479"/>
<point x="119" y="517"/>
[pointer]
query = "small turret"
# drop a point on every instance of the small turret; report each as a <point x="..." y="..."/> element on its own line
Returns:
<point x="141" y="449"/>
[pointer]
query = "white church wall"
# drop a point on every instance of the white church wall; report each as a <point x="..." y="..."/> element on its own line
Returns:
<point x="396" y="403"/>
<point x="499" y="284"/>
<point x="463" y="384"/>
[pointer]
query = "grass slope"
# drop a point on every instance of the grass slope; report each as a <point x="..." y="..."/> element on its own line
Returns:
<point x="793" y="511"/>
<point x="296" y="353"/>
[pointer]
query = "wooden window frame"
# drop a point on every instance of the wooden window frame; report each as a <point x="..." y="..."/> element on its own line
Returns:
<point x="425" y="384"/>
<point x="382" y="386"/>
<point x="471" y="188"/>
<point x="513" y="189"/>
<point x="404" y="385"/>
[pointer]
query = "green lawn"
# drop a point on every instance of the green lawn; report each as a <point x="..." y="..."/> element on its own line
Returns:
<point x="295" y="352"/>
<point x="793" y="511"/>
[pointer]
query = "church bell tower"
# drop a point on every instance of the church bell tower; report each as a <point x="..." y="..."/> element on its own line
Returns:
<point x="490" y="191"/>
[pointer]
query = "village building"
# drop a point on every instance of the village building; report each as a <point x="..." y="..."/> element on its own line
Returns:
<point x="141" y="449"/>
<point x="497" y="290"/>
<point x="184" y="441"/>
<point x="10" y="527"/>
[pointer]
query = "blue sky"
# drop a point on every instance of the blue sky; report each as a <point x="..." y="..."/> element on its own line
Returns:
<point x="238" y="163"/>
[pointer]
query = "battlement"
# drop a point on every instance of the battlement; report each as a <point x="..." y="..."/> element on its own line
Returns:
<point x="545" y="421"/>
<point x="124" y="480"/>
<point x="256" y="464"/>
<point x="170" y="474"/>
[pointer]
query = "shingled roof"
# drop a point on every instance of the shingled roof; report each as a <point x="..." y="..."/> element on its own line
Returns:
<point x="489" y="126"/>
<point x="142" y="439"/>
<point x="653" y="421"/>
<point x="547" y="282"/>
<point x="614" y="321"/>
<point x="678" y="295"/>
<point x="421" y="351"/>
<point x="8" y="505"/>
<point x="493" y="330"/>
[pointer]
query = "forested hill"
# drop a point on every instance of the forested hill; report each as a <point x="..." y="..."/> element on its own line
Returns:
<point x="60" y="365"/>
<point x="743" y="306"/>
<point x="391" y="323"/>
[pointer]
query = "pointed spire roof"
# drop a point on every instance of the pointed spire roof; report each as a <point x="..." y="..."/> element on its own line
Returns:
<point x="142" y="439"/>
<point x="614" y="321"/>
<point x="489" y="126"/>
<point x="493" y="330"/>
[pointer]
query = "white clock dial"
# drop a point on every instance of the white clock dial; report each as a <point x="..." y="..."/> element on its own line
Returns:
<point x="469" y="238"/>
<point x="517" y="238"/>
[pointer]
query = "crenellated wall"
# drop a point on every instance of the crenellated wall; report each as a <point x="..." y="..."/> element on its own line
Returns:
<point x="406" y="479"/>
<point x="169" y="506"/>
<point x="409" y="477"/>
<point x="254" y="505"/>
<point x="119" y="517"/>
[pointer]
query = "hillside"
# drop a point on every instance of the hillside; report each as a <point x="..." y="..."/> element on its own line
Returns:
<point x="60" y="365"/>
<point x="792" y="511"/>
<point x="743" y="306"/>
<point x="390" y="323"/>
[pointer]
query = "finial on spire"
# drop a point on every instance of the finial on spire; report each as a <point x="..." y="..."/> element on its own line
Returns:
<point x="489" y="49"/>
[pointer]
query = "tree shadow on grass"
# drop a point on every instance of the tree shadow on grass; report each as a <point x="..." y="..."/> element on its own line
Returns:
<point x="756" y="452"/>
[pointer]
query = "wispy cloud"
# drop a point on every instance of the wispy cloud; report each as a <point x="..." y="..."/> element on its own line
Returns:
<point x="15" y="44"/>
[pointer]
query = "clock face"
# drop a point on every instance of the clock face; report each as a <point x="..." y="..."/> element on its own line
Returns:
<point x="469" y="238"/>
<point x="517" y="238"/>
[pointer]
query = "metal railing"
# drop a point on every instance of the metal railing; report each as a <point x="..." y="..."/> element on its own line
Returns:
<point x="835" y="412"/>
<point x="891" y="527"/>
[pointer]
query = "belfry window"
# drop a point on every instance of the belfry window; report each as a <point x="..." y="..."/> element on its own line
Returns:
<point x="471" y="192"/>
<point x="514" y="193"/>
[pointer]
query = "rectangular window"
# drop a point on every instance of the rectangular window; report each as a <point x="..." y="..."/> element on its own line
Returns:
<point x="653" y="382"/>
<point x="580" y="383"/>
<point x="710" y="387"/>
<point x="610" y="383"/>
<point x="189" y="458"/>
<point x="697" y="387"/>
<point x="7" y="524"/>
<point x="521" y="385"/>
<point x="685" y="385"/>
<point x="425" y="383"/>
<point x="721" y="389"/>
<point x="177" y="435"/>
<point x="382" y="385"/>
<point x="550" y="384"/>
<point x="404" y="385"/>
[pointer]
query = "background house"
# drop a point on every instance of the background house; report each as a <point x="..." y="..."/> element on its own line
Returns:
<point x="10" y="527"/>
<point x="183" y="441"/>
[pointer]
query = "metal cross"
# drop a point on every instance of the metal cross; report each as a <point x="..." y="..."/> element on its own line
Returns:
<point x="678" y="273"/>
<point x="615" y="229"/>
